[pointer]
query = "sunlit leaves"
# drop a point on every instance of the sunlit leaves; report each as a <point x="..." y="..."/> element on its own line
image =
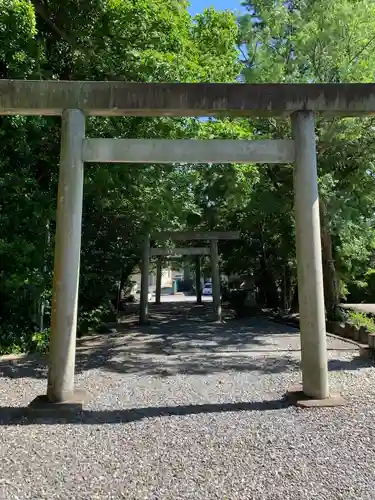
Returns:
<point x="320" y="41"/>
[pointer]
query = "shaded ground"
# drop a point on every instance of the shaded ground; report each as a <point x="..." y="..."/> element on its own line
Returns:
<point x="182" y="339"/>
<point x="197" y="412"/>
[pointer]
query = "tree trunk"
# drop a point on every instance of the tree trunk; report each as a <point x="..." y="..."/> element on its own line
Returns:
<point x="331" y="287"/>
<point x="286" y="289"/>
<point x="294" y="306"/>
<point x="267" y="286"/>
<point x="120" y="289"/>
<point x="267" y="282"/>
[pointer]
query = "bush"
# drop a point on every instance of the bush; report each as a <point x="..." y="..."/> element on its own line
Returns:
<point x="236" y="299"/>
<point x="14" y="342"/>
<point x="359" y="320"/>
<point x="15" y="338"/>
<point x="362" y="290"/>
<point x="40" y="341"/>
<point x="90" y="321"/>
<point x="370" y="282"/>
<point x="24" y="337"/>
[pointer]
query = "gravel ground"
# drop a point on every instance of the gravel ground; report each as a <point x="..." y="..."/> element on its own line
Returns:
<point x="190" y="410"/>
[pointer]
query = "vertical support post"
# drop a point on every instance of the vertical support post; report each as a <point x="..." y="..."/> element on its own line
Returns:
<point x="215" y="273"/>
<point x="198" y="286"/>
<point x="158" y="281"/>
<point x="309" y="259"/>
<point x="67" y="259"/>
<point x="145" y="271"/>
<point x="187" y="273"/>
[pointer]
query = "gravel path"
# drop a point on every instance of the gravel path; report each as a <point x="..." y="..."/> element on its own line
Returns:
<point x="190" y="410"/>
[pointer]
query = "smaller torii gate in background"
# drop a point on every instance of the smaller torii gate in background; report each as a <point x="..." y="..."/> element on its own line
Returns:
<point x="211" y="236"/>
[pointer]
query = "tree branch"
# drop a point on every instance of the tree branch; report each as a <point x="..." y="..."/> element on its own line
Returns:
<point x="362" y="49"/>
<point x="42" y="12"/>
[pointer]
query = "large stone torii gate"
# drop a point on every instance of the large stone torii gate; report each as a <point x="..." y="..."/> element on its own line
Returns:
<point x="212" y="236"/>
<point x="75" y="100"/>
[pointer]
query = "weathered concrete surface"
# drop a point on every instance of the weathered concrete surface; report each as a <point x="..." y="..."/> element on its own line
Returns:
<point x="67" y="259"/>
<point x="173" y="252"/>
<point x="196" y="235"/>
<point x="145" y="266"/>
<point x="198" y="284"/>
<point x="364" y="308"/>
<point x="187" y="410"/>
<point x="184" y="99"/>
<point x="187" y="151"/>
<point x="215" y="275"/>
<point x="309" y="259"/>
<point x="159" y="271"/>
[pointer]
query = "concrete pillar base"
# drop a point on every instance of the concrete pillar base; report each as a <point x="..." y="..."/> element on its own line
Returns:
<point x="296" y="397"/>
<point x="42" y="406"/>
<point x="215" y="321"/>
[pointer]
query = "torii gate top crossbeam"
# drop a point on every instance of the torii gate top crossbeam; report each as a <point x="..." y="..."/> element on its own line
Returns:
<point x="51" y="97"/>
<point x="196" y="235"/>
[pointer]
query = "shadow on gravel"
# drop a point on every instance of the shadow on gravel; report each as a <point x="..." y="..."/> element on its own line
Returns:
<point x="18" y="416"/>
<point x="356" y="363"/>
<point x="265" y="362"/>
<point x="182" y="339"/>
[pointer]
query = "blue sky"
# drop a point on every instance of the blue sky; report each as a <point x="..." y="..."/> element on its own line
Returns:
<point x="198" y="5"/>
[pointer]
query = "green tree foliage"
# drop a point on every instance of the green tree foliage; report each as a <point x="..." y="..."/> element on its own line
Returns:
<point x="137" y="40"/>
<point x="154" y="41"/>
<point x="317" y="41"/>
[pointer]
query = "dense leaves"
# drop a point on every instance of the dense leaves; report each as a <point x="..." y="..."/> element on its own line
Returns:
<point x="158" y="40"/>
<point x="319" y="41"/>
<point x="121" y="40"/>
